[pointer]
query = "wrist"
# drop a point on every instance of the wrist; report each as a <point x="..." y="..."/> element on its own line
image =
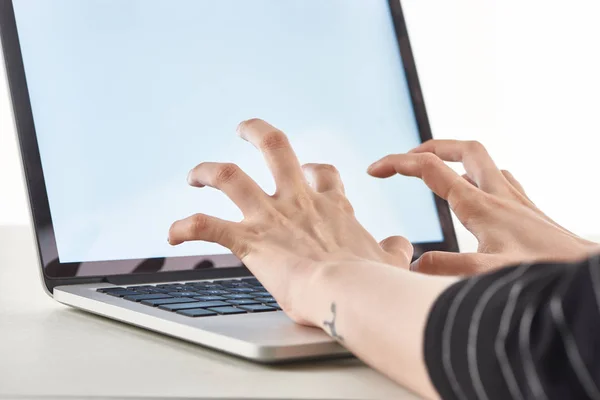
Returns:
<point x="315" y="296"/>
<point x="329" y="283"/>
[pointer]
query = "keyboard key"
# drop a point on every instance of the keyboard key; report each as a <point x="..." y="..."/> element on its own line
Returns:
<point x="145" y="289"/>
<point x="250" y="280"/>
<point x="181" y="288"/>
<point x="276" y="305"/>
<point x="173" y="300"/>
<point x="197" y="304"/>
<point x="158" y="290"/>
<point x="140" y="297"/>
<point x="198" y="312"/>
<point x="140" y="287"/>
<point x="188" y="288"/>
<point x="168" y="285"/>
<point x="209" y="298"/>
<point x="238" y="296"/>
<point x="201" y="293"/>
<point x="227" y="310"/>
<point x="110" y="289"/>
<point x="121" y="293"/>
<point x="217" y="291"/>
<point x="208" y="286"/>
<point x="243" y="301"/>
<point x="266" y="299"/>
<point x="183" y="294"/>
<point x="240" y="285"/>
<point x="234" y="283"/>
<point x="261" y="294"/>
<point x="257" y="308"/>
<point x="241" y="290"/>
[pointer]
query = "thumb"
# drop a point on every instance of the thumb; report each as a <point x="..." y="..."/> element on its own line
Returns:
<point x="444" y="263"/>
<point x="399" y="247"/>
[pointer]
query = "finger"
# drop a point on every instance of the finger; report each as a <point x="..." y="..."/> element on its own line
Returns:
<point x="517" y="185"/>
<point x="232" y="181"/>
<point x="278" y="152"/>
<point x="323" y="177"/>
<point x="462" y="197"/>
<point x="455" y="264"/>
<point x="398" y="246"/>
<point x="206" y="228"/>
<point x="468" y="179"/>
<point x="475" y="158"/>
<point x="513" y="181"/>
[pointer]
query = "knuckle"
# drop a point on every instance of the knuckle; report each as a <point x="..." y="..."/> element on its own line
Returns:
<point x="302" y="200"/>
<point x="474" y="210"/>
<point x="328" y="168"/>
<point x="273" y="140"/>
<point x="388" y="242"/>
<point x="400" y="246"/>
<point x="241" y="249"/>
<point x="346" y="205"/>
<point x="429" y="161"/>
<point x="402" y="242"/>
<point x="475" y="146"/>
<point x="225" y="173"/>
<point x="427" y="261"/>
<point x="340" y="200"/>
<point x="199" y="223"/>
<point x="453" y="188"/>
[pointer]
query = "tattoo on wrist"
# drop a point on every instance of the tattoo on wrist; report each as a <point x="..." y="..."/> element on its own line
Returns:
<point x="331" y="324"/>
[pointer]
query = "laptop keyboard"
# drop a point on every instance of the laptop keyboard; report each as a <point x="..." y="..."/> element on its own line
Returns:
<point x="201" y="299"/>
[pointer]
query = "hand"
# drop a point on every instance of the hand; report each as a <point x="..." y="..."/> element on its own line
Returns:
<point x="286" y="237"/>
<point x="490" y="203"/>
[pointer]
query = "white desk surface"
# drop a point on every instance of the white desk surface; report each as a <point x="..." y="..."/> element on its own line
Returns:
<point x="52" y="351"/>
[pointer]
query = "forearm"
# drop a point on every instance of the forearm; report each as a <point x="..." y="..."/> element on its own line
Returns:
<point x="381" y="313"/>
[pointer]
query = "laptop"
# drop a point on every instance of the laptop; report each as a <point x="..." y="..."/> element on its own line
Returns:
<point x="116" y="100"/>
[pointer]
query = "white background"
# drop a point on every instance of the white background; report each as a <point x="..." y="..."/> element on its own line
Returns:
<point x="521" y="76"/>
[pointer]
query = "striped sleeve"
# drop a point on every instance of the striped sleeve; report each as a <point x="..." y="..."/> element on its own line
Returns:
<point x="524" y="332"/>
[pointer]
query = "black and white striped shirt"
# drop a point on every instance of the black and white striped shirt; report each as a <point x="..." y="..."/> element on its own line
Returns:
<point x="525" y="332"/>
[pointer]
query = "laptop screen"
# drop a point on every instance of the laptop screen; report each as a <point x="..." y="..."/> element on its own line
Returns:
<point x="128" y="95"/>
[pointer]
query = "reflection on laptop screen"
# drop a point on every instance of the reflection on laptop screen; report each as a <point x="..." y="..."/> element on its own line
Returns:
<point x="129" y="95"/>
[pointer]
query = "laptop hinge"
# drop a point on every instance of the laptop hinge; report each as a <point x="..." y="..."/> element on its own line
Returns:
<point x="178" y="276"/>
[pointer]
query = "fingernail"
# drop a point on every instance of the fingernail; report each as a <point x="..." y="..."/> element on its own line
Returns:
<point x="414" y="266"/>
<point x="373" y="166"/>
<point x="192" y="181"/>
<point x="238" y="130"/>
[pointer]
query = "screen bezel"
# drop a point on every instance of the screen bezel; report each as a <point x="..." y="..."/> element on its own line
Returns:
<point x="38" y="199"/>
